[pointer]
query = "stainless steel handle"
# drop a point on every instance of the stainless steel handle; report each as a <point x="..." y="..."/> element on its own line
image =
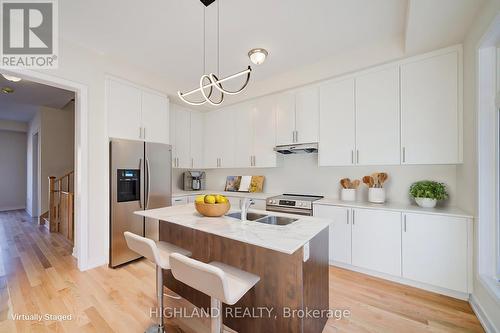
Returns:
<point x="140" y="132"/>
<point x="404" y="154"/>
<point x="220" y="162"/>
<point x="296" y="136"/>
<point x="192" y="162"/>
<point x="357" y="155"/>
<point x="347" y="215"/>
<point x="144" y="132"/>
<point x="148" y="182"/>
<point x="140" y="168"/>
<point x="353" y="216"/>
<point x="251" y="160"/>
<point x="254" y="162"/>
<point x="352" y="156"/>
<point x="404" y="223"/>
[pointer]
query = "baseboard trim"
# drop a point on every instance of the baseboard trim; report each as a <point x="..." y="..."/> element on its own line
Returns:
<point x="6" y="209"/>
<point x="411" y="283"/>
<point x="481" y="315"/>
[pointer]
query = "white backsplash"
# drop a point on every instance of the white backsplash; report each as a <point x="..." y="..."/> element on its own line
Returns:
<point x="301" y="174"/>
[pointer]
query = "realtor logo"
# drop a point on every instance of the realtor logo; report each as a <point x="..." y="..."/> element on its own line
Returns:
<point x="29" y="34"/>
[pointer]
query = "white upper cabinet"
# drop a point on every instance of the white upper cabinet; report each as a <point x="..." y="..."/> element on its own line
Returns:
<point x="285" y="116"/>
<point x="340" y="231"/>
<point x="377" y="117"/>
<point x="376" y="240"/>
<point x="219" y="143"/>
<point x="210" y="134"/>
<point x="264" y="133"/>
<point x="431" y="109"/>
<point x="124" y="111"/>
<point x="136" y="113"/>
<point x="297" y="114"/>
<point x="255" y="134"/>
<point x="307" y="115"/>
<point x="337" y="123"/>
<point x="435" y="250"/>
<point x="196" y="142"/>
<point x="155" y="116"/>
<point x="181" y="155"/>
<point x="243" y="156"/>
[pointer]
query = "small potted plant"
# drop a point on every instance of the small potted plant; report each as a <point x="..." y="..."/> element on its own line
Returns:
<point x="426" y="193"/>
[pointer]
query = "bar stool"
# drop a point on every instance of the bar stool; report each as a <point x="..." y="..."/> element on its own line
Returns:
<point x="159" y="253"/>
<point x="223" y="283"/>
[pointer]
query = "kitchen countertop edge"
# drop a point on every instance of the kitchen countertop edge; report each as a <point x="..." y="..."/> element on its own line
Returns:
<point x="393" y="206"/>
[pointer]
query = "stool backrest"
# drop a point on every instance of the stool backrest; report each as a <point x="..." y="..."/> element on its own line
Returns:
<point x="206" y="278"/>
<point x="144" y="246"/>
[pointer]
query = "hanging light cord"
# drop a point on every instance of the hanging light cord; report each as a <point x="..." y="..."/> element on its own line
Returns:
<point x="213" y="80"/>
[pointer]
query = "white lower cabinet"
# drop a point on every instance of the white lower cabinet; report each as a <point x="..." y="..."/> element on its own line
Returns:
<point x="376" y="240"/>
<point x="435" y="250"/>
<point x="421" y="249"/>
<point x="340" y="231"/>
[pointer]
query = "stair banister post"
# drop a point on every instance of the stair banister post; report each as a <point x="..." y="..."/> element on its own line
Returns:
<point x="52" y="206"/>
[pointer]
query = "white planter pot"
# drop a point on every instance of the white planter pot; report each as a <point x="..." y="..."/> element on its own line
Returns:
<point x="376" y="195"/>
<point x="348" y="194"/>
<point x="426" y="202"/>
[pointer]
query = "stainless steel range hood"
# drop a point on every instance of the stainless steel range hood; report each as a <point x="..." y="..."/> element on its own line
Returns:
<point x="302" y="148"/>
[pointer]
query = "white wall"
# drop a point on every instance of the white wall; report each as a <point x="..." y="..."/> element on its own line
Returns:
<point x="301" y="174"/>
<point x="467" y="173"/>
<point x="12" y="170"/>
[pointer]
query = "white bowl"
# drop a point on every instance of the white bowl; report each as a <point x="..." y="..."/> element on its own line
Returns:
<point x="426" y="202"/>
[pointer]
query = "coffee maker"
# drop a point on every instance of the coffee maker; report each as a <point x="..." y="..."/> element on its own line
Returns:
<point x="194" y="180"/>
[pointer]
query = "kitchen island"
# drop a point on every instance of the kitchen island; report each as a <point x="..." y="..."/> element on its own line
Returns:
<point x="291" y="261"/>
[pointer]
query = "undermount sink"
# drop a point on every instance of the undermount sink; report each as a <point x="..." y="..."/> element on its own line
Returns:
<point x="250" y="216"/>
<point x="276" y="220"/>
<point x="261" y="218"/>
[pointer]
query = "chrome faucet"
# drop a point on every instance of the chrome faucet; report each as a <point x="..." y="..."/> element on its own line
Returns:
<point x="245" y="204"/>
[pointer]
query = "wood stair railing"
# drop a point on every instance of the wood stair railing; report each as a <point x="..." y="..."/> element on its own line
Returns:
<point x="61" y="205"/>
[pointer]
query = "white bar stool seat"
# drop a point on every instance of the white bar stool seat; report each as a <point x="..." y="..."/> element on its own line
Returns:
<point x="223" y="283"/>
<point x="159" y="253"/>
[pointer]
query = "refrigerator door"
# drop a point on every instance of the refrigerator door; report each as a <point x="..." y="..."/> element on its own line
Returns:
<point x="158" y="183"/>
<point x="127" y="178"/>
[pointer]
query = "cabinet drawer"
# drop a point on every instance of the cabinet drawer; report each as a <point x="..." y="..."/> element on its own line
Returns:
<point x="179" y="201"/>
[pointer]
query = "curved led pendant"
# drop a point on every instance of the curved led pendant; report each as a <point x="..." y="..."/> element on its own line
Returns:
<point x="213" y="81"/>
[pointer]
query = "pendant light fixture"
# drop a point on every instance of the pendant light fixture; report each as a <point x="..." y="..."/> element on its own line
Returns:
<point x="211" y="81"/>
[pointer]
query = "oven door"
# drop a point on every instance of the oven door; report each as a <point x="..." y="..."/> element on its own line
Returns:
<point x="290" y="210"/>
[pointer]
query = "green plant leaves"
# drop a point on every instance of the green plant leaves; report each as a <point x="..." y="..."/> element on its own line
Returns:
<point x="429" y="189"/>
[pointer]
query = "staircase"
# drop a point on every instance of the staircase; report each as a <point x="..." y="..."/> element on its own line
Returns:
<point x="60" y="217"/>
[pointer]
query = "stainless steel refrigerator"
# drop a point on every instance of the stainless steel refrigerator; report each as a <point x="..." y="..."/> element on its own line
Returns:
<point x="140" y="178"/>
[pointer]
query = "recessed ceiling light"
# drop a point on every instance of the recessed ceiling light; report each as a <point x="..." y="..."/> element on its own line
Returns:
<point x="258" y="55"/>
<point x="11" y="78"/>
<point x="7" y="90"/>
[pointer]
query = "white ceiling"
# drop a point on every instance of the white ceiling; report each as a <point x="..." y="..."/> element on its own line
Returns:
<point x="27" y="98"/>
<point x="165" y="36"/>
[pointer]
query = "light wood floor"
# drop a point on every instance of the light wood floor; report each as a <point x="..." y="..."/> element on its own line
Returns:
<point x="39" y="275"/>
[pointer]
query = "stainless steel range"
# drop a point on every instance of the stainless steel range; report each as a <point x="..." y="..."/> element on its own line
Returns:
<point x="292" y="204"/>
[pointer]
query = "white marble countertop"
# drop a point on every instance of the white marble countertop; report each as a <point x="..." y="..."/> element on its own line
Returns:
<point x="253" y="195"/>
<point x="392" y="206"/>
<point x="286" y="239"/>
